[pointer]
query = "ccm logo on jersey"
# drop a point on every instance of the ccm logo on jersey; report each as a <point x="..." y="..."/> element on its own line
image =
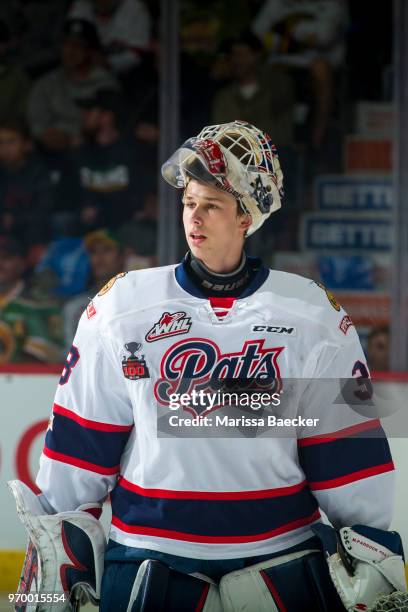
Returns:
<point x="274" y="329"/>
<point x="134" y="367"/>
<point x="169" y="324"/>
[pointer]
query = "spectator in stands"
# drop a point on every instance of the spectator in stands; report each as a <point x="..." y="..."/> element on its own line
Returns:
<point x="63" y="269"/>
<point x="14" y="83"/>
<point x="53" y="113"/>
<point x="378" y="349"/>
<point x="29" y="330"/>
<point x="36" y="32"/>
<point x="123" y="27"/>
<point x="139" y="236"/>
<point x="25" y="189"/>
<point x="258" y="93"/>
<point x="143" y="94"/>
<point x="106" y="255"/>
<point x="108" y="168"/>
<point x="308" y="35"/>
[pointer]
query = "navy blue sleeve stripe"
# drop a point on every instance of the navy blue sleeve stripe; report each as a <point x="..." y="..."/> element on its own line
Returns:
<point x="342" y="457"/>
<point x="68" y="437"/>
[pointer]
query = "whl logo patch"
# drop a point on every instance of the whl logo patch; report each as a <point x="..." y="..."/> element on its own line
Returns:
<point x="169" y="324"/>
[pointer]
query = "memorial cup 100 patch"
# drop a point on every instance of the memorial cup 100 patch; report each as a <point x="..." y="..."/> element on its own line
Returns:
<point x="134" y="365"/>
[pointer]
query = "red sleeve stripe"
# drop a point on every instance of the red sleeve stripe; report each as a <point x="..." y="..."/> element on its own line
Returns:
<point x="211" y="495"/>
<point x="348" y="478"/>
<point x="109" y="427"/>
<point x="192" y="537"/>
<point x="84" y="465"/>
<point x="341" y="433"/>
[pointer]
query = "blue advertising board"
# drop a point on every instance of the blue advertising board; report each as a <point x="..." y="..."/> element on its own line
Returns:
<point x="347" y="272"/>
<point x="345" y="233"/>
<point x="354" y="193"/>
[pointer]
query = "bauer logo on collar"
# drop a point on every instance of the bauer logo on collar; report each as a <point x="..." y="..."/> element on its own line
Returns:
<point x="134" y="366"/>
<point x="170" y="324"/>
<point x="110" y="283"/>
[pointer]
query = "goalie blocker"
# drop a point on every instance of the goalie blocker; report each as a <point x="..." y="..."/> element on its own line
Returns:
<point x="65" y="553"/>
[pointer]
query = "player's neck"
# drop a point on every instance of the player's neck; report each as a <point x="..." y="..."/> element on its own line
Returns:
<point x="222" y="263"/>
<point x="220" y="268"/>
<point x="216" y="284"/>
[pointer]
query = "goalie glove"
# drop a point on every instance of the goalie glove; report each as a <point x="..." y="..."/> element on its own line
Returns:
<point x="365" y="564"/>
<point x="64" y="556"/>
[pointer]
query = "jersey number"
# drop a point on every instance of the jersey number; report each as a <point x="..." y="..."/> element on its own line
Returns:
<point x="363" y="380"/>
<point x="70" y="363"/>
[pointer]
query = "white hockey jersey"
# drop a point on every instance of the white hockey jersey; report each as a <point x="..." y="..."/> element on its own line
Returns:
<point x="148" y="337"/>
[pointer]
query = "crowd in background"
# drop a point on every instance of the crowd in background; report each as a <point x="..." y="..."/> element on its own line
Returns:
<point x="79" y="131"/>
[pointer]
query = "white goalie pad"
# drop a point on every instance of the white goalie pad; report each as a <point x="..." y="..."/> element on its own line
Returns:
<point x="367" y="574"/>
<point x="252" y="587"/>
<point x="65" y="553"/>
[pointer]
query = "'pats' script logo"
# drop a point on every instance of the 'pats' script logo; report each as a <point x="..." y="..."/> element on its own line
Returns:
<point x="199" y="364"/>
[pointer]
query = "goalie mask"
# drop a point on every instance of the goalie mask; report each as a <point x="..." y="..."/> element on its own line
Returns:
<point x="237" y="158"/>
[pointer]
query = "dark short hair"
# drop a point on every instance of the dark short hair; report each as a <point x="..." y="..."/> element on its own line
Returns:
<point x="105" y="99"/>
<point x="82" y="30"/>
<point x="247" y="38"/>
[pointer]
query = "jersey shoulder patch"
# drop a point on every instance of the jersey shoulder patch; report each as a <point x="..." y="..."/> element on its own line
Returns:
<point x="128" y="291"/>
<point x="334" y="303"/>
<point x="312" y="300"/>
<point x="332" y="314"/>
<point x="110" y="283"/>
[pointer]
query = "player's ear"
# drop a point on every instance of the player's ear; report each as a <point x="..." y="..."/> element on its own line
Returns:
<point x="245" y="221"/>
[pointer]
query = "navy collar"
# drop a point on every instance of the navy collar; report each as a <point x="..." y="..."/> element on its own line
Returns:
<point x="261" y="273"/>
